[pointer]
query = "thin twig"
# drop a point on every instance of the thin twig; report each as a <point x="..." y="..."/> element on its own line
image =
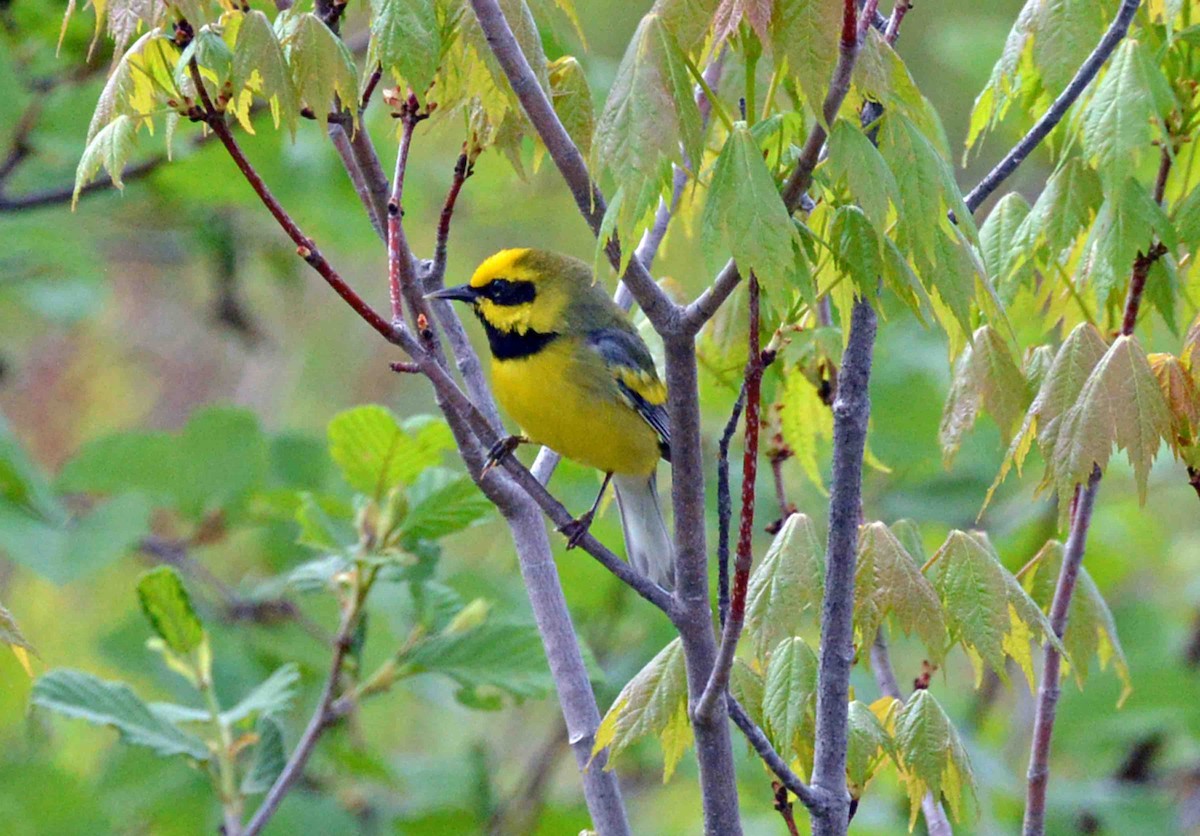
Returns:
<point x="1048" y="692"/>
<point x="345" y="149"/>
<point x="810" y="797"/>
<point x="1144" y="261"/>
<point x="1042" y="128"/>
<point x="718" y="679"/>
<point x="725" y="504"/>
<point x="402" y="282"/>
<point x="785" y="808"/>
<point x="463" y="169"/>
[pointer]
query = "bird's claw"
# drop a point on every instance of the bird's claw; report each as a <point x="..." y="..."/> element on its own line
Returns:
<point x="577" y="529"/>
<point x="497" y="452"/>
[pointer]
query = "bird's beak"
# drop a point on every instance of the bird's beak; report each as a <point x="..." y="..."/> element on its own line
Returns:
<point x="460" y="293"/>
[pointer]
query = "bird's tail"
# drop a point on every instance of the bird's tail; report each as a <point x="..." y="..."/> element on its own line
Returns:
<point x="647" y="543"/>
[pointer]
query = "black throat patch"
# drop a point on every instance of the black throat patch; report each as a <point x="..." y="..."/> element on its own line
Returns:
<point x="512" y="345"/>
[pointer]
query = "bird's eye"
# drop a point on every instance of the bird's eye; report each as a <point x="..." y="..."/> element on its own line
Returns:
<point x="510" y="292"/>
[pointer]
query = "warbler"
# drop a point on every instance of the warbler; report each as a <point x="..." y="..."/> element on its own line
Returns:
<point x="571" y="370"/>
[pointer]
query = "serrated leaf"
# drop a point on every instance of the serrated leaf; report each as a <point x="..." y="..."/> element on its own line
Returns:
<point x="260" y="69"/>
<point x="746" y="685"/>
<point x="1091" y="630"/>
<point x="888" y="581"/>
<point x="986" y="609"/>
<point x="688" y="20"/>
<point x="141" y="82"/>
<point x="1064" y="34"/>
<point x="442" y="502"/>
<point x="805" y="421"/>
<point x="868" y="747"/>
<point x="270" y="757"/>
<point x="321" y="66"/>
<point x="86" y="697"/>
<point x="931" y="755"/>
<point x="1065" y="208"/>
<point x="1187" y="220"/>
<point x="985" y="376"/>
<point x="271" y="697"/>
<point x="650" y="704"/>
<point x="807" y="34"/>
<point x="1116" y="127"/>
<point x="649" y="112"/>
<point x="572" y="98"/>
<point x="789" y="694"/>
<point x="856" y="248"/>
<point x="1059" y="391"/>
<point x="1127" y="224"/>
<point x="406" y="40"/>
<point x="374" y="453"/>
<point x="855" y="161"/>
<point x="788" y="580"/>
<point x="495" y="655"/>
<point x="1120" y="404"/>
<point x="731" y="13"/>
<point x="168" y="607"/>
<point x="111" y="148"/>
<point x="998" y="241"/>
<point x="1182" y="397"/>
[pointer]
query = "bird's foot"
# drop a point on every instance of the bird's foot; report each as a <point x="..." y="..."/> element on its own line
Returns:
<point x="503" y="447"/>
<point x="577" y="529"/>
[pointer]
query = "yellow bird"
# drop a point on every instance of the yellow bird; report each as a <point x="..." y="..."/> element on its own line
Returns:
<point x="571" y="370"/>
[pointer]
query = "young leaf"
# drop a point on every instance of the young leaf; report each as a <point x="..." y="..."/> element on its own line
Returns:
<point x="805" y="420"/>
<point x="259" y="68"/>
<point x="855" y="161"/>
<point x="856" y="248"/>
<point x="868" y="747"/>
<point x="110" y="147"/>
<point x="744" y="215"/>
<point x="85" y="697"/>
<point x="1117" y="121"/>
<point x="998" y="242"/>
<point x="931" y="755"/>
<point x="1064" y="209"/>
<point x="789" y="580"/>
<point x="440" y="503"/>
<point x="806" y="33"/>
<point x="789" y="694"/>
<point x="888" y="581"/>
<point x="687" y="20"/>
<point x="168" y="607"/>
<point x="746" y="685"/>
<point x="654" y="702"/>
<point x="1120" y="404"/>
<point x="1091" y="630"/>
<point x="406" y="40"/>
<point x="321" y="66"/>
<point x="375" y="453"/>
<point x="1060" y="389"/>
<point x="649" y="111"/>
<point x="573" y="101"/>
<point x="984" y="376"/>
<point x="1182" y="397"/>
<point x="493" y="656"/>
<point x="986" y="609"/>
<point x="270" y="757"/>
<point x="1127" y="224"/>
<point x="271" y="697"/>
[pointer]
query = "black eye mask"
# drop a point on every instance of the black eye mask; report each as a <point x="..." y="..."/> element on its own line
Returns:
<point x="508" y="292"/>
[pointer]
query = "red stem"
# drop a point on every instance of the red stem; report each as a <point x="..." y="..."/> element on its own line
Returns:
<point x="754" y="371"/>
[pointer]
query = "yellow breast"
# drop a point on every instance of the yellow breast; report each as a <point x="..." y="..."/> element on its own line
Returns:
<point x="566" y="398"/>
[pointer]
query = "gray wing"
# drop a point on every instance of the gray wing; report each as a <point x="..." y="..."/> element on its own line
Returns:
<point x="622" y="348"/>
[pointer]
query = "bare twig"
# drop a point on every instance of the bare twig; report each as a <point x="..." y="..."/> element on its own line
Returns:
<point x="724" y="504"/>
<point x="784" y="807"/>
<point x="402" y="281"/>
<point x="718" y="679"/>
<point x="345" y="149"/>
<point x="810" y="797"/>
<point x="1042" y="128"/>
<point x="1048" y="691"/>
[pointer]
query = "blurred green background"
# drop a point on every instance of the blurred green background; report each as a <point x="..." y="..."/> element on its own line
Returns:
<point x="142" y="307"/>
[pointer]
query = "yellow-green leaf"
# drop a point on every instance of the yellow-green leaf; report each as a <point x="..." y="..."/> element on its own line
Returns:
<point x="260" y="69"/>
<point x="805" y="421"/>
<point x="321" y="66"/>
<point x="572" y="100"/>
<point x="987" y="376"/>
<point x="789" y="580"/>
<point x="931" y="755"/>
<point x="789" y="695"/>
<point x="888" y="581"/>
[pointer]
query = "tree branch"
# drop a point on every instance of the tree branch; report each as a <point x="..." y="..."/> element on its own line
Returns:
<point x="345" y="149"/>
<point x="1048" y="692"/>
<point x="1041" y="129"/>
<point x="810" y="797"/>
<point x="658" y="307"/>
<point x="718" y="680"/>
<point x="724" y="504"/>
<point x="851" y="411"/>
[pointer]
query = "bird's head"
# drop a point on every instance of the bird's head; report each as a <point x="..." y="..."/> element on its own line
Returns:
<point x="523" y="290"/>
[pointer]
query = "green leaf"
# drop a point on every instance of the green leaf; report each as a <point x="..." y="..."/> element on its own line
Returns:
<point x="985" y="376"/>
<point x="986" y="609"/>
<point x="788" y="581"/>
<point x="21" y="482"/>
<point x="868" y="747"/>
<point x="1116" y="125"/>
<point x="1091" y="630"/>
<point x="111" y="148"/>
<point x="1182" y="396"/>
<point x="406" y="40"/>
<point x="687" y="20"/>
<point x="649" y="111"/>
<point x="168" y="608"/>
<point x="1064" y="209"/>
<point x="272" y="697"/>
<point x="888" y="581"/>
<point x="375" y="453"/>
<point x="932" y="758"/>
<point x="856" y="248"/>
<point x="807" y="34"/>
<point x="998" y="241"/>
<point x="11" y="635"/>
<point x="494" y="656"/>
<point x="1187" y="220"/>
<point x="572" y="98"/>
<point x="746" y="685"/>
<point x="789" y="695"/>
<point x="319" y="528"/>
<point x="855" y="162"/>
<point x="442" y="502"/>
<point x="1126" y="225"/>
<point x="654" y="703"/>
<point x="322" y="68"/>
<point x="270" y="757"/>
<point x="260" y="69"/>
<point x="1120" y="404"/>
<point x="86" y="697"/>
<point x="1064" y="34"/>
<point x="140" y="84"/>
<point x="218" y="459"/>
<point x="805" y="421"/>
